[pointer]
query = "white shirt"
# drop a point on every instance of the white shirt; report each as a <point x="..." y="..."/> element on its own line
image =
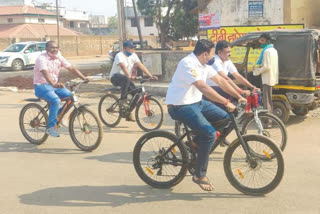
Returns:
<point x="226" y="67"/>
<point x="270" y="68"/>
<point x="128" y="61"/>
<point x="181" y="90"/>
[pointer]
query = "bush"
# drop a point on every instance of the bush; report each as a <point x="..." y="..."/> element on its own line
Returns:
<point x="105" y="69"/>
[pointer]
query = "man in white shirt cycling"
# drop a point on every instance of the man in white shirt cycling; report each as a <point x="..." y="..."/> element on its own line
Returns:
<point x="224" y="66"/>
<point x="185" y="104"/>
<point x="121" y="72"/>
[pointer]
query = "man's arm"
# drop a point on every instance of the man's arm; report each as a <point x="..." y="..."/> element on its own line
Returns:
<point x="213" y="95"/>
<point x="77" y="72"/>
<point x="47" y="76"/>
<point x="242" y="80"/>
<point x="222" y="83"/>
<point x="145" y="70"/>
<point x="230" y="81"/>
<point x="125" y="70"/>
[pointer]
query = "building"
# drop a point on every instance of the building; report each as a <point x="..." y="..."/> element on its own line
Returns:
<point x="148" y="26"/>
<point x="29" y="22"/>
<point x="98" y="25"/>
<point x="263" y="12"/>
<point x="16" y="2"/>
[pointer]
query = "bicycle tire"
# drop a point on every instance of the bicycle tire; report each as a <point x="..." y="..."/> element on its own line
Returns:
<point x="85" y="129"/>
<point x="100" y="110"/>
<point x="244" y="188"/>
<point x="139" y="119"/>
<point x="170" y="137"/>
<point x="284" y="136"/>
<point x="24" y="132"/>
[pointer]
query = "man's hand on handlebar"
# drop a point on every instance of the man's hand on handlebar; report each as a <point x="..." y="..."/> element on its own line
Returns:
<point x="86" y="80"/>
<point x="246" y="93"/>
<point x="230" y="107"/>
<point x="242" y="100"/>
<point x="154" y="77"/>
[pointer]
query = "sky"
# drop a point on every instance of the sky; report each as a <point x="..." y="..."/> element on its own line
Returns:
<point x="96" y="7"/>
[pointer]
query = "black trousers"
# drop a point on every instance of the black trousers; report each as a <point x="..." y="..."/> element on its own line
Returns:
<point x="125" y="83"/>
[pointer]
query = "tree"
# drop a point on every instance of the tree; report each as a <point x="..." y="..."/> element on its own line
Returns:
<point x="169" y="16"/>
<point x="113" y="24"/>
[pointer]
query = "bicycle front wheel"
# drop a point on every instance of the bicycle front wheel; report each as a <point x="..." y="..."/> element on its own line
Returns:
<point x="149" y="114"/>
<point x="109" y="110"/>
<point x="159" y="160"/>
<point x="272" y="126"/>
<point x="33" y="121"/>
<point x="257" y="176"/>
<point x="85" y="129"/>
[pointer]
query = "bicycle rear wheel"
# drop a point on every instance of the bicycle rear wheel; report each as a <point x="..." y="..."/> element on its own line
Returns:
<point x="33" y="121"/>
<point x="109" y="110"/>
<point x="149" y="114"/>
<point x="155" y="168"/>
<point x="262" y="175"/>
<point x="85" y="129"/>
<point x="277" y="131"/>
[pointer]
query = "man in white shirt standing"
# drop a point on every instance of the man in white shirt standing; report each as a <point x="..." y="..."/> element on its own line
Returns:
<point x="185" y="104"/>
<point x="268" y="68"/>
<point x="224" y="66"/>
<point x="121" y="72"/>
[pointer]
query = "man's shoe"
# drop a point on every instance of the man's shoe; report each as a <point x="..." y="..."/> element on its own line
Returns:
<point x="130" y="118"/>
<point x="52" y="132"/>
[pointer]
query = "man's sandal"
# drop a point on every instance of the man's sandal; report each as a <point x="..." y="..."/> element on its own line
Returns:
<point x="202" y="182"/>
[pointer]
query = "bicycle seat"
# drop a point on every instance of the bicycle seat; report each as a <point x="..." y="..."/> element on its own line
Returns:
<point x="220" y="124"/>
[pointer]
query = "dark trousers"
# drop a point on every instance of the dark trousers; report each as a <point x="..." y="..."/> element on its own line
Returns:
<point x="125" y="83"/>
<point x="267" y="97"/>
<point x="223" y="94"/>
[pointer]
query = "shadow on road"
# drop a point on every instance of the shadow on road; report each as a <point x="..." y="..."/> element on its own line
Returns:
<point x="293" y="120"/>
<point x="30" y="148"/>
<point x="112" y="196"/>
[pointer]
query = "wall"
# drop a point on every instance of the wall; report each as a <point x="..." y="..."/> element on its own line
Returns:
<point x="303" y="11"/>
<point x="35" y="20"/>
<point x="16" y="19"/>
<point x="273" y="12"/>
<point x="145" y="31"/>
<point x="15" y="2"/>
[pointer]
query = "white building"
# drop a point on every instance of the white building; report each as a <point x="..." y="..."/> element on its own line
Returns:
<point x="148" y="26"/>
<point x="15" y="2"/>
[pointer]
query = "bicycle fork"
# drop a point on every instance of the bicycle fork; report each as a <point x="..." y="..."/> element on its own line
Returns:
<point x="258" y="122"/>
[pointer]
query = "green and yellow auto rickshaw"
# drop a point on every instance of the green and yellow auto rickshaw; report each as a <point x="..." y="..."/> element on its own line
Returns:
<point x="299" y="62"/>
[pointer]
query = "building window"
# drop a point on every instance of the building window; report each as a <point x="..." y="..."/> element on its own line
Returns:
<point x="41" y="20"/>
<point x="148" y="21"/>
<point x="255" y="8"/>
<point x="133" y="22"/>
<point x="10" y="19"/>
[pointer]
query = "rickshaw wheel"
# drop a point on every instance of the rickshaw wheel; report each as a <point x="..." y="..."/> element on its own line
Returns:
<point x="281" y="111"/>
<point x="300" y="111"/>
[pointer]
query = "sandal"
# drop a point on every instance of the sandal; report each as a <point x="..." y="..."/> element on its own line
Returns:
<point x="202" y="182"/>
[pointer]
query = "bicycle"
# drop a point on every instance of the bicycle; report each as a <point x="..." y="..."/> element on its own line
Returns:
<point x="255" y="122"/>
<point x="149" y="112"/>
<point x="84" y="125"/>
<point x="161" y="159"/>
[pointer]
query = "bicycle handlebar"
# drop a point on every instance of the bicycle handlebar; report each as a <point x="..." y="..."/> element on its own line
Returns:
<point x="75" y="85"/>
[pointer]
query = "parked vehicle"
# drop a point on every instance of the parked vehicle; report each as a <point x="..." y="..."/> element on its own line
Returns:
<point x="298" y="52"/>
<point x="20" y="55"/>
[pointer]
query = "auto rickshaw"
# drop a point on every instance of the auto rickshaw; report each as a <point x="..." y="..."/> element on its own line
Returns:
<point x="299" y="62"/>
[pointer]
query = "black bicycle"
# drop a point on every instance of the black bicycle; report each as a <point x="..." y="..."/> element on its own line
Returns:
<point x="84" y="126"/>
<point x="149" y="112"/>
<point x="255" y="121"/>
<point x="252" y="163"/>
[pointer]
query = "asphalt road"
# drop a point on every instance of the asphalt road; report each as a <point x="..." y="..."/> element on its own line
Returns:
<point x="56" y="177"/>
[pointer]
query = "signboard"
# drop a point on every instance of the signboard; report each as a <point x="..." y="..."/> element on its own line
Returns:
<point x="209" y="21"/>
<point x="231" y="34"/>
<point x="255" y="8"/>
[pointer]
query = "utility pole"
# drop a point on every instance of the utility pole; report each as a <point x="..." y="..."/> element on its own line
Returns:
<point x="137" y="21"/>
<point x="58" y="30"/>
<point x="122" y="28"/>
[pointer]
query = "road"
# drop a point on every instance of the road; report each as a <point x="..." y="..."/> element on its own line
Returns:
<point x="81" y="63"/>
<point x="56" y="177"/>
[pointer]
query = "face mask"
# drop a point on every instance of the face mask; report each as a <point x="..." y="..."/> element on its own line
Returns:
<point x="263" y="45"/>
<point x="128" y="53"/>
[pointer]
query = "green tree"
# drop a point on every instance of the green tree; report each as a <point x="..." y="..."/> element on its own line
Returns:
<point x="170" y="16"/>
<point x="113" y="24"/>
